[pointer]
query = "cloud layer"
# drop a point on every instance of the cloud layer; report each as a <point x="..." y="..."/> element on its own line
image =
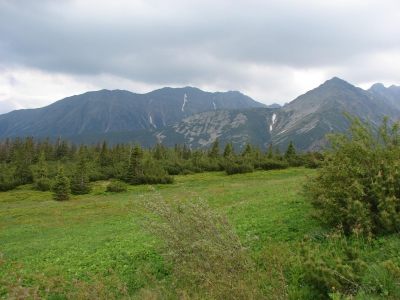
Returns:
<point x="272" y="51"/>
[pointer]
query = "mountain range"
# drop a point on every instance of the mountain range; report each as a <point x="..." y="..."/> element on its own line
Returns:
<point x="189" y="115"/>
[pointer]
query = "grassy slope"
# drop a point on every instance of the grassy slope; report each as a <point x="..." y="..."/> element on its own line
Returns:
<point x="97" y="232"/>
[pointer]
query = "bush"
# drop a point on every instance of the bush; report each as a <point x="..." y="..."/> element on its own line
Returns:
<point x="358" y="184"/>
<point x="207" y="257"/>
<point x="7" y="185"/>
<point x="43" y="184"/>
<point x="273" y="164"/>
<point x="233" y="168"/>
<point x="117" y="186"/>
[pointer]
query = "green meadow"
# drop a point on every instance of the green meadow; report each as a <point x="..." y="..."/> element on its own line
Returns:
<point x="95" y="246"/>
<point x="92" y="234"/>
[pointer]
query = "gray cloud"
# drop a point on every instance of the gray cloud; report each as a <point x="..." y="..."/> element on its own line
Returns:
<point x="229" y="44"/>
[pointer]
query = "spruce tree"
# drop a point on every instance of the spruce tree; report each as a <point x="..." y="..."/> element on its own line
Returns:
<point x="135" y="165"/>
<point x="215" y="149"/>
<point x="277" y="150"/>
<point x="270" y="154"/>
<point x="248" y="151"/>
<point x="105" y="157"/>
<point x="290" y="151"/>
<point x="80" y="182"/>
<point x="228" y="152"/>
<point x="61" y="186"/>
<point x="158" y="152"/>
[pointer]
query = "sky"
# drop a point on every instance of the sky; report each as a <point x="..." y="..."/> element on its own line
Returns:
<point x="272" y="51"/>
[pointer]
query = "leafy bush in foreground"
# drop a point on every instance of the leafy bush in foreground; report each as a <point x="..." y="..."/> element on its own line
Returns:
<point x="208" y="259"/>
<point x="358" y="185"/>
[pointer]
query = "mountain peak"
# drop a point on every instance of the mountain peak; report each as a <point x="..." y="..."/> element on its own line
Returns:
<point x="336" y="80"/>
<point x="377" y="87"/>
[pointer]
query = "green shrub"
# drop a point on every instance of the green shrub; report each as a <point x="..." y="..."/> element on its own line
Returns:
<point x="358" y="184"/>
<point x="43" y="184"/>
<point x="233" y="168"/>
<point x="207" y="257"/>
<point x="117" y="186"/>
<point x="7" y="185"/>
<point x="336" y="267"/>
<point x="273" y="164"/>
<point x="187" y="172"/>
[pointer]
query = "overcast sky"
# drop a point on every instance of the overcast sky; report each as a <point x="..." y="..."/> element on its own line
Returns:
<point x="272" y="51"/>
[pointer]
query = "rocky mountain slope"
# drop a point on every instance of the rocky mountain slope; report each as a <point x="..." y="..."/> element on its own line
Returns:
<point x="198" y="118"/>
<point x="305" y="120"/>
<point x="111" y="111"/>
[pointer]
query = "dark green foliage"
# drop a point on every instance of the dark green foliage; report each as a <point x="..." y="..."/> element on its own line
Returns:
<point x="158" y="152"/>
<point x="117" y="186"/>
<point x="7" y="182"/>
<point x="61" y="186"/>
<point x="338" y="268"/>
<point x="290" y="151"/>
<point x="273" y="164"/>
<point x="358" y="184"/>
<point x="248" y="150"/>
<point x="270" y="153"/>
<point x="135" y="169"/>
<point x="80" y="181"/>
<point x="233" y="168"/>
<point x="61" y="149"/>
<point x="42" y="184"/>
<point x="215" y="151"/>
<point x="229" y="151"/>
<point x="105" y="157"/>
<point x="277" y="150"/>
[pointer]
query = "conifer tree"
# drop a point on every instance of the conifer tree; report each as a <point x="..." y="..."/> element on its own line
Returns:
<point x="105" y="157"/>
<point x="61" y="190"/>
<point x="228" y="151"/>
<point x="215" y="151"/>
<point x="270" y="151"/>
<point x="42" y="171"/>
<point x="290" y="151"/>
<point x="80" y="182"/>
<point x="248" y="151"/>
<point x="41" y="182"/>
<point x="158" y="152"/>
<point x="135" y="168"/>
<point x="277" y="150"/>
<point x="48" y="149"/>
<point x="186" y="152"/>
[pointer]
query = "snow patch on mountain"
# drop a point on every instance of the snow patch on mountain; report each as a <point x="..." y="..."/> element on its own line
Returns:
<point x="184" y="102"/>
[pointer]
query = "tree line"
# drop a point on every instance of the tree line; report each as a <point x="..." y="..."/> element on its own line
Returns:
<point x="67" y="168"/>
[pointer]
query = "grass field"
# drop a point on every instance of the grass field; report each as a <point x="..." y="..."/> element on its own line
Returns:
<point x="94" y="233"/>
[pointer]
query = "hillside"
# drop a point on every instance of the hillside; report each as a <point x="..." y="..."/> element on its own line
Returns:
<point x="305" y="120"/>
<point x="110" y="111"/>
<point x="197" y="118"/>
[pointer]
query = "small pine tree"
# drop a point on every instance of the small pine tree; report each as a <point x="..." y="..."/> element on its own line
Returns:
<point x="270" y="154"/>
<point x="80" y="182"/>
<point x="290" y="151"/>
<point x="215" y="150"/>
<point x="135" y="170"/>
<point x="248" y="151"/>
<point x="228" y="152"/>
<point x="277" y="150"/>
<point x="61" y="186"/>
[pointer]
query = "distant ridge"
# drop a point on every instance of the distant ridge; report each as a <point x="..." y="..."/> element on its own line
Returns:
<point x="168" y="116"/>
<point x="110" y="111"/>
